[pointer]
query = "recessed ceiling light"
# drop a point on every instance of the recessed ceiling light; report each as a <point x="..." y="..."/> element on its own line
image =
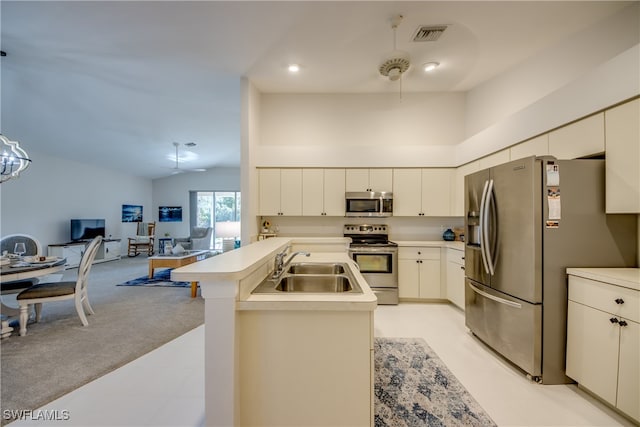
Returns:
<point x="430" y="66"/>
<point x="293" y="68"/>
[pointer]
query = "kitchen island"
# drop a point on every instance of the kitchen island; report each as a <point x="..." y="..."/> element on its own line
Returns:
<point x="284" y="359"/>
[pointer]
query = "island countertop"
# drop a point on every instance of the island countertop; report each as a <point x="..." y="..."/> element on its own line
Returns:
<point x="342" y="301"/>
<point x="249" y="265"/>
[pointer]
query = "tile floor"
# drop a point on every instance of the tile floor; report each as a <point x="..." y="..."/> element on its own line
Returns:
<point x="166" y="386"/>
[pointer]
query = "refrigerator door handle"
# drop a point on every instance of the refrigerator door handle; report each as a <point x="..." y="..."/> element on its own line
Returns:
<point x="490" y="202"/>
<point x="495" y="298"/>
<point x="483" y="226"/>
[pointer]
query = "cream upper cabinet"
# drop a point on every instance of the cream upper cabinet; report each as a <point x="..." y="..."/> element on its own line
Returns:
<point x="582" y="138"/>
<point x="407" y="192"/>
<point x="457" y="205"/>
<point x="622" y="145"/>
<point x="436" y="191"/>
<point x="280" y="192"/>
<point x="538" y="146"/>
<point x="269" y="191"/>
<point x="323" y="192"/>
<point x="369" y="179"/>
<point x="494" y="159"/>
<point x="422" y="192"/>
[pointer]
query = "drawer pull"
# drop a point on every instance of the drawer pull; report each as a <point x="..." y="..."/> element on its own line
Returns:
<point x="622" y="323"/>
<point x="613" y="320"/>
<point x="619" y="301"/>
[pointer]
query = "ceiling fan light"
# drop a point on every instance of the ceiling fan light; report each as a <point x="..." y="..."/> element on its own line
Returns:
<point x="430" y="66"/>
<point x="394" y="74"/>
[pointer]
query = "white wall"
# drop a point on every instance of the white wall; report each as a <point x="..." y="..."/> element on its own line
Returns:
<point x="249" y="140"/>
<point x="594" y="69"/>
<point x="53" y="190"/>
<point x="359" y="129"/>
<point x="174" y="191"/>
<point x="550" y="70"/>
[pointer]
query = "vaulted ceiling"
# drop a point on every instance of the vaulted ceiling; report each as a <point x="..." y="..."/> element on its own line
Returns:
<point x="117" y="83"/>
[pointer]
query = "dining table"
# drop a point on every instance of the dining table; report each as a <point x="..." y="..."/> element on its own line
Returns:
<point x="15" y="275"/>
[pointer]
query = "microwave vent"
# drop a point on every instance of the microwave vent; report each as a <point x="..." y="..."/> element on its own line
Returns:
<point x="429" y="33"/>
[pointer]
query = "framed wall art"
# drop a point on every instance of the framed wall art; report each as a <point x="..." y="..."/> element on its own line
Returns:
<point x="131" y="213"/>
<point x="170" y="213"/>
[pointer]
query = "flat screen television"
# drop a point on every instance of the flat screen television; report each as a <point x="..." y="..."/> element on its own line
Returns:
<point x="86" y="229"/>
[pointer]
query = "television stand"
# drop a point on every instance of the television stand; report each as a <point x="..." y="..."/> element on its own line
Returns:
<point x="109" y="250"/>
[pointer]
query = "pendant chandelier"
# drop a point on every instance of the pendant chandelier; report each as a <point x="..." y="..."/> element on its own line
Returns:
<point x="14" y="159"/>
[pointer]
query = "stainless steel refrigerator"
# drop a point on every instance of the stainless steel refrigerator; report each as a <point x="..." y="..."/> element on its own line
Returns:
<point x="526" y="222"/>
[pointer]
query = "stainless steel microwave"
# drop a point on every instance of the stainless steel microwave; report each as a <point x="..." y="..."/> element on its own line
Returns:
<point x="369" y="204"/>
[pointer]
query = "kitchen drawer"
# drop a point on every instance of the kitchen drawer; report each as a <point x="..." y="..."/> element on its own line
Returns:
<point x="455" y="256"/>
<point x="603" y="296"/>
<point x="418" y="253"/>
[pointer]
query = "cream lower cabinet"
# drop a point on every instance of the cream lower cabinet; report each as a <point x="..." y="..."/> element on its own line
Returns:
<point x="603" y="342"/>
<point x="455" y="276"/>
<point x="302" y="368"/>
<point x="419" y="273"/>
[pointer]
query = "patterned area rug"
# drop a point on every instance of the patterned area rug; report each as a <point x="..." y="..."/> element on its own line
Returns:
<point x="413" y="387"/>
<point x="160" y="278"/>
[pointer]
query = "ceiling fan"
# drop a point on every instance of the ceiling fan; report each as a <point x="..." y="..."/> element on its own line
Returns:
<point x="177" y="169"/>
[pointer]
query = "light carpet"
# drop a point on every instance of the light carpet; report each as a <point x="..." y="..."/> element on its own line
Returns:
<point x="59" y="355"/>
<point x="413" y="387"/>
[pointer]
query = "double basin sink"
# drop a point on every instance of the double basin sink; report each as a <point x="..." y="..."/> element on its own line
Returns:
<point x="310" y="277"/>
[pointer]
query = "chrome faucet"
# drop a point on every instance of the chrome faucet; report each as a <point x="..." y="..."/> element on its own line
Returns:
<point x="280" y="264"/>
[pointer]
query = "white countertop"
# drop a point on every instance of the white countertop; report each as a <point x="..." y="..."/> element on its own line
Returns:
<point x="365" y="301"/>
<point x="239" y="264"/>
<point x="625" y="277"/>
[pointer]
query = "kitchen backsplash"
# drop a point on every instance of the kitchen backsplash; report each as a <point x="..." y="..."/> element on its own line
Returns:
<point x="400" y="228"/>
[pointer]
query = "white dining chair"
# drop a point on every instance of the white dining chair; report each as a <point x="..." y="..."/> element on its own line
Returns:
<point x="38" y="294"/>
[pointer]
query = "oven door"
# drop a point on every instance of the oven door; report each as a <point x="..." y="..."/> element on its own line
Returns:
<point x="378" y="266"/>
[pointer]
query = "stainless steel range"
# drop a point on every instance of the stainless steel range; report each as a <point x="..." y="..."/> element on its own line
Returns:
<point x="377" y="258"/>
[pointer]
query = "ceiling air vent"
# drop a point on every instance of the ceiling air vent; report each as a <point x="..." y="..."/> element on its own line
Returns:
<point x="429" y="33"/>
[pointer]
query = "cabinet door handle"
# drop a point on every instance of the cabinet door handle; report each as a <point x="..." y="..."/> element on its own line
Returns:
<point x="462" y="267"/>
<point x="619" y="301"/>
<point x="613" y="320"/>
<point x="622" y="323"/>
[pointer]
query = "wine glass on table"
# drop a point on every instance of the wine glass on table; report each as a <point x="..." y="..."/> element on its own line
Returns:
<point x="20" y="249"/>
